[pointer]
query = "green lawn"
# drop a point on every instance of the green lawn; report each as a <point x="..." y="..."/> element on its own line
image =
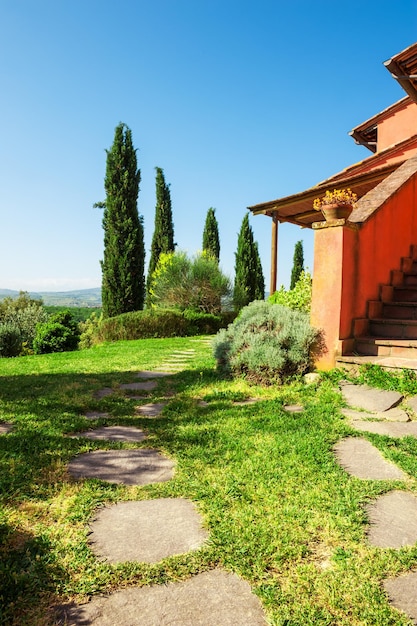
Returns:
<point x="281" y="513"/>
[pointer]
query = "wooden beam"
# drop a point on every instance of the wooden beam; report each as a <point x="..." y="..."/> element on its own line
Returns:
<point x="274" y="254"/>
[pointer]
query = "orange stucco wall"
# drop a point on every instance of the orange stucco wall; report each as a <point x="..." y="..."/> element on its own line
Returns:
<point x="396" y="127"/>
<point x="350" y="265"/>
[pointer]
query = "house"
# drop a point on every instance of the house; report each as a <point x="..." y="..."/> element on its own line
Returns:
<point x="365" y="267"/>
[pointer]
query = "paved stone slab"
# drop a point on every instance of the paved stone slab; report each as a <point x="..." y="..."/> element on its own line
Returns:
<point x="147" y="531"/>
<point x="392" y="415"/>
<point x="114" y="433"/>
<point x="145" y="386"/>
<point x="5" y="428"/>
<point x="214" y="598"/>
<point x="361" y="459"/>
<point x="293" y="408"/>
<point x="368" y="398"/>
<point x="393" y="520"/>
<point x="95" y="415"/>
<point x="390" y="429"/>
<point x="128" y="467"/>
<point x="144" y="374"/>
<point x="412" y="403"/>
<point x="153" y="409"/>
<point x="103" y="393"/>
<point x="402" y="594"/>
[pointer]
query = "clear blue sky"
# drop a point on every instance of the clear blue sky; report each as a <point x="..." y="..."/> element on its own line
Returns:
<point x="238" y="101"/>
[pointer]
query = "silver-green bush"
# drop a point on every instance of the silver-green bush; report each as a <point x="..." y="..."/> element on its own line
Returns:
<point x="267" y="343"/>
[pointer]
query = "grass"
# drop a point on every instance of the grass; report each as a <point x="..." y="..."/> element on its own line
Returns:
<point x="280" y="511"/>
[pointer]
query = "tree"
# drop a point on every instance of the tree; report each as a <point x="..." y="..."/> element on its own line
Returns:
<point x="249" y="281"/>
<point x="163" y="236"/>
<point x="298" y="264"/>
<point x="211" y="242"/>
<point x="123" y="284"/>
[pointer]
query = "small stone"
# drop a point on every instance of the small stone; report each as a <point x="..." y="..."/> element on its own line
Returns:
<point x="5" y="428"/>
<point x="312" y="378"/>
<point x="95" y="415"/>
<point x="151" y="409"/>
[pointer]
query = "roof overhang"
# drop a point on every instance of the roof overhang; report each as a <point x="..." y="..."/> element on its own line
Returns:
<point x="298" y="208"/>
<point x="403" y="67"/>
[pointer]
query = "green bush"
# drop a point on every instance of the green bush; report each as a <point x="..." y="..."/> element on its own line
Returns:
<point x="26" y="320"/>
<point x="298" y="298"/>
<point x="179" y="282"/>
<point x="90" y="331"/>
<point x="59" y="334"/>
<point x="10" y="340"/>
<point x="155" y="323"/>
<point x="267" y="343"/>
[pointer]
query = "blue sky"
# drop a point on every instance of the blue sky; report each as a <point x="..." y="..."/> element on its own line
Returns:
<point x="238" y="101"/>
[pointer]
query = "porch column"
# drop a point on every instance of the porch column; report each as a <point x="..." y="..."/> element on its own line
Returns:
<point x="274" y="254"/>
<point x="335" y="279"/>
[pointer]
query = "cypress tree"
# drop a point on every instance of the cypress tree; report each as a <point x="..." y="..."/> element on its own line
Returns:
<point x="211" y="241"/>
<point x="260" y="280"/>
<point x="249" y="282"/>
<point x="298" y="264"/>
<point x="123" y="284"/>
<point x="163" y="235"/>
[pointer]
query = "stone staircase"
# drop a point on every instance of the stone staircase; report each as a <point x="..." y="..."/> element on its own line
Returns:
<point x="388" y="334"/>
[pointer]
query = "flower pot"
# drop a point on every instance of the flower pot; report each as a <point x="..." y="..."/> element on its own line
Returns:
<point x="336" y="211"/>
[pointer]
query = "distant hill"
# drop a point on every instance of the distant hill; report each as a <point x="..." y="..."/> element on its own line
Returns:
<point x="77" y="298"/>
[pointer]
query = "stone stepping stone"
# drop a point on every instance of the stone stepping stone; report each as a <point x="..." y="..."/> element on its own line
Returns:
<point x="150" y="410"/>
<point x="390" y="429"/>
<point x="361" y="459"/>
<point x="103" y="393"/>
<point x="412" y="403"/>
<point x="402" y="594"/>
<point x="293" y="408"/>
<point x="113" y="433"/>
<point x="5" y="428"/>
<point x="96" y="415"/>
<point x="144" y="386"/>
<point x="368" y="398"/>
<point x="127" y="467"/>
<point x="144" y="374"/>
<point x="215" y="598"/>
<point x="393" y="520"/>
<point x="147" y="531"/>
<point x="392" y="415"/>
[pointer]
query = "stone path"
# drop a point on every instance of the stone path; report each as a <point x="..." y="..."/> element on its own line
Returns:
<point x="215" y="598"/>
<point x="393" y="515"/>
<point x="5" y="428"/>
<point x="127" y="467"/>
<point x="149" y="531"/>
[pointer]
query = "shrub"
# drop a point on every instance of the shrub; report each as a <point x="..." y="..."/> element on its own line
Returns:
<point x="298" y="298"/>
<point x="59" y="334"/>
<point x="26" y="320"/>
<point x="267" y="343"/>
<point x="90" y="331"/>
<point x="183" y="283"/>
<point x="10" y="340"/>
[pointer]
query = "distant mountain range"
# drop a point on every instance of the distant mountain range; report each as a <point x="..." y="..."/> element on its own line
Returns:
<point x="77" y="298"/>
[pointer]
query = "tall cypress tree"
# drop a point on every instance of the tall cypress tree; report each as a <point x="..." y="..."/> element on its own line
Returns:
<point x="123" y="283"/>
<point x="298" y="264"/>
<point x="248" y="269"/>
<point x="163" y="235"/>
<point x="211" y="241"/>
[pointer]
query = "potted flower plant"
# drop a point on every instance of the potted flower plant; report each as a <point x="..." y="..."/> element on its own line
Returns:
<point x="336" y="204"/>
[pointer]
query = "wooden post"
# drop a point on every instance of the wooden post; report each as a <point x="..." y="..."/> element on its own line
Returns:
<point x="274" y="254"/>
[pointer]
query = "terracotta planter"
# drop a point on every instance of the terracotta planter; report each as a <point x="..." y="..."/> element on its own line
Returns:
<point x="336" y="211"/>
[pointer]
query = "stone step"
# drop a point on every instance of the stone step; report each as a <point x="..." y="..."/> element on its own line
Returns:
<point x="394" y="310"/>
<point x="393" y="328"/>
<point x="404" y="293"/>
<point x="352" y="363"/>
<point x="381" y="346"/>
